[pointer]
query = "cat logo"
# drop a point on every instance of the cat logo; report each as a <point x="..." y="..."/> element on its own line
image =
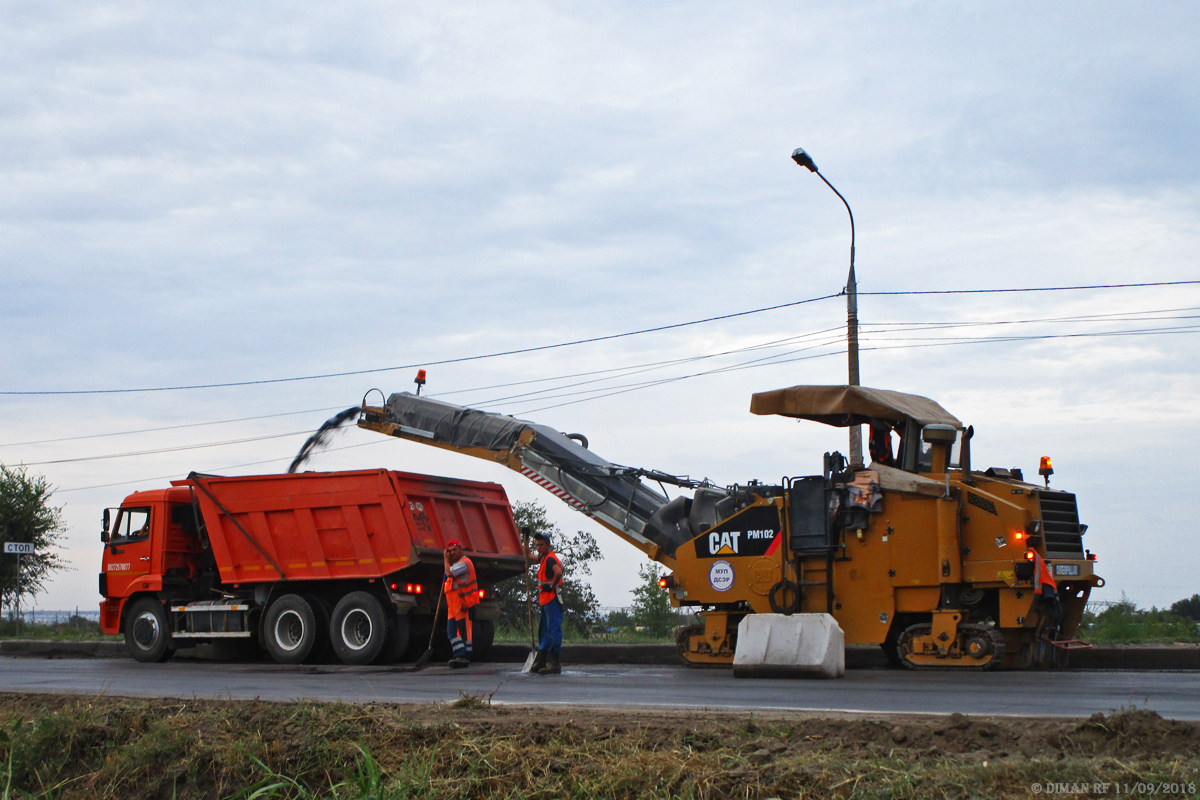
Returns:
<point x="724" y="543"/>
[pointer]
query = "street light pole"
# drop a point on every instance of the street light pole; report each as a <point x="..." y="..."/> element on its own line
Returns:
<point x="856" y="453"/>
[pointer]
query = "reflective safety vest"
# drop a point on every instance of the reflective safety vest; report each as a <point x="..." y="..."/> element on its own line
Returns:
<point x="461" y="592"/>
<point x="543" y="575"/>
<point x="1042" y="577"/>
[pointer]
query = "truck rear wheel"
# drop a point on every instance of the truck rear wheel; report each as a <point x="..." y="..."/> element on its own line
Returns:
<point x="358" y="628"/>
<point x="483" y="634"/>
<point x="292" y="629"/>
<point x="397" y="642"/>
<point x="146" y="634"/>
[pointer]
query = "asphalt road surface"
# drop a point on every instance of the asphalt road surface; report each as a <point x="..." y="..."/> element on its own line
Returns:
<point x="1174" y="695"/>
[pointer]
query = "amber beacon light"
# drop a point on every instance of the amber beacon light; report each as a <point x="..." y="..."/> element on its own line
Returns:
<point x="1046" y="469"/>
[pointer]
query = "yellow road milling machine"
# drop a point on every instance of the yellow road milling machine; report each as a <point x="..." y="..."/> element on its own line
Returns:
<point x="943" y="566"/>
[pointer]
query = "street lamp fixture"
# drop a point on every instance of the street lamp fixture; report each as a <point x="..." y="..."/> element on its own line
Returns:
<point x="856" y="454"/>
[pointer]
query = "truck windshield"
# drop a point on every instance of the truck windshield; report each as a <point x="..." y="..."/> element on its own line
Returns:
<point x="132" y="525"/>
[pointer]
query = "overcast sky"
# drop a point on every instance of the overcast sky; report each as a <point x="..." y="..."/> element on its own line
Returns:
<point x="206" y="193"/>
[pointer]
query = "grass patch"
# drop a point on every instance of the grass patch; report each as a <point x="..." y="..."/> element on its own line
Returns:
<point x="74" y="629"/>
<point x="102" y="747"/>
<point x="619" y="636"/>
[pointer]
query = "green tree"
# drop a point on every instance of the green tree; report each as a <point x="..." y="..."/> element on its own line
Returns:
<point x="618" y="619"/>
<point x="651" y="608"/>
<point x="1189" y="608"/>
<point x="581" y="609"/>
<point x="27" y="516"/>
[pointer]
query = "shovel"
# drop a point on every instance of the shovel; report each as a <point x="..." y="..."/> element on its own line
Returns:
<point x="424" y="659"/>
<point x="529" y="603"/>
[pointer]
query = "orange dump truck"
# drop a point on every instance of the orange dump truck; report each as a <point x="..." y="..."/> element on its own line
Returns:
<point x="300" y="563"/>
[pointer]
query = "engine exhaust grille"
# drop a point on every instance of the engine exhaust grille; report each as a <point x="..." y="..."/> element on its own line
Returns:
<point x="1060" y="525"/>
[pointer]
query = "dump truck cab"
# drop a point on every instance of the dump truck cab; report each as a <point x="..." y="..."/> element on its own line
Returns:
<point x="151" y="545"/>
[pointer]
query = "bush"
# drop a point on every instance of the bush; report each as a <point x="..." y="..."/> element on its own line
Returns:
<point x="1125" y="622"/>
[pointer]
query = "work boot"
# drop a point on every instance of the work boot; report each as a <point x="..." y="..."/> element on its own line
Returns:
<point x="552" y="666"/>
<point x="458" y="663"/>
<point x="539" y="661"/>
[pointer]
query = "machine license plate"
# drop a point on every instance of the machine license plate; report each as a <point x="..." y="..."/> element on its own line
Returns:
<point x="1066" y="570"/>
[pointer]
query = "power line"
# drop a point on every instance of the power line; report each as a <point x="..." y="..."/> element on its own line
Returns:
<point x="590" y="340"/>
<point x="441" y="362"/>
<point x="779" y="359"/>
<point x="166" y="449"/>
<point x="868" y="329"/>
<point x="1036" y="289"/>
<point x="210" y="470"/>
<point x="171" y="427"/>
<point x="623" y="370"/>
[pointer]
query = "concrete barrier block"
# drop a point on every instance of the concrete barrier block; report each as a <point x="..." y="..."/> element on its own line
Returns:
<point x="796" y="646"/>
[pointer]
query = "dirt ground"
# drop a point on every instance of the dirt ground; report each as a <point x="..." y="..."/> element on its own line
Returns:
<point x="115" y="747"/>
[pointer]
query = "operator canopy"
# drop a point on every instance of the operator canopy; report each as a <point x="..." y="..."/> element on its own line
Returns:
<point x="843" y="406"/>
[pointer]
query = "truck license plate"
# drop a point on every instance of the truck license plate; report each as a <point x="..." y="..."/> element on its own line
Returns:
<point x="1066" y="570"/>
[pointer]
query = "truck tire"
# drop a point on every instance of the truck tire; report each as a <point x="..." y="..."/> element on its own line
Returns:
<point x="483" y="634"/>
<point x="292" y="630"/>
<point x="358" y="628"/>
<point x="397" y="641"/>
<point x="146" y="635"/>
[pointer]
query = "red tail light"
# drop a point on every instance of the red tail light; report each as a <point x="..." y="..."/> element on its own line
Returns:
<point x="482" y="594"/>
<point x="1030" y="554"/>
<point x="411" y="588"/>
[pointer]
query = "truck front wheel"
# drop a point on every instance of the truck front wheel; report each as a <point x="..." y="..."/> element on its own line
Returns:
<point x="146" y="634"/>
<point x="291" y="629"/>
<point x="358" y="628"/>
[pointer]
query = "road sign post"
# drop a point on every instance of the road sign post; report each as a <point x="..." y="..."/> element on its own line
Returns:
<point x="17" y="549"/>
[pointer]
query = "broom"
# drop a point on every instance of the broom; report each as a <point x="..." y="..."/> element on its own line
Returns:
<point x="424" y="659"/>
<point x="529" y="604"/>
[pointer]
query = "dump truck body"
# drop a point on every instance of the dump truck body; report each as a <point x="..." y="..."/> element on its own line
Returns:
<point x="361" y="550"/>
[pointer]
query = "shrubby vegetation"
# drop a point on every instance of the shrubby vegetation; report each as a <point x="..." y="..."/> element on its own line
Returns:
<point x="581" y="609"/>
<point x="27" y="516"/>
<point x="1125" y="622"/>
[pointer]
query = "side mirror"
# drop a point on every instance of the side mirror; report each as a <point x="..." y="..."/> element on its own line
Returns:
<point x="104" y="530"/>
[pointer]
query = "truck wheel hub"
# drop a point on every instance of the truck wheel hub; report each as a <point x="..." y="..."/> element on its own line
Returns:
<point x="145" y="631"/>
<point x="357" y="629"/>
<point x="289" y="630"/>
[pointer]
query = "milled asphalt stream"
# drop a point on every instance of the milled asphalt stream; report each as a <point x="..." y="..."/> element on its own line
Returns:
<point x="1128" y="657"/>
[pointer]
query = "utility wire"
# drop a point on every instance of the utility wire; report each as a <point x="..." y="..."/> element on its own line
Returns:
<point x="867" y="328"/>
<point x="166" y="449"/>
<point x="172" y="427"/>
<point x="458" y="360"/>
<point x="624" y="370"/>
<point x="765" y="361"/>
<point x="212" y="470"/>
<point x="779" y="359"/>
<point x="1037" y="289"/>
<point x="590" y="340"/>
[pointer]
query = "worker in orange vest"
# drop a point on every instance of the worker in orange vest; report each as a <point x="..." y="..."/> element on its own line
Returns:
<point x="1045" y="593"/>
<point x="462" y="594"/>
<point x="549" y="577"/>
